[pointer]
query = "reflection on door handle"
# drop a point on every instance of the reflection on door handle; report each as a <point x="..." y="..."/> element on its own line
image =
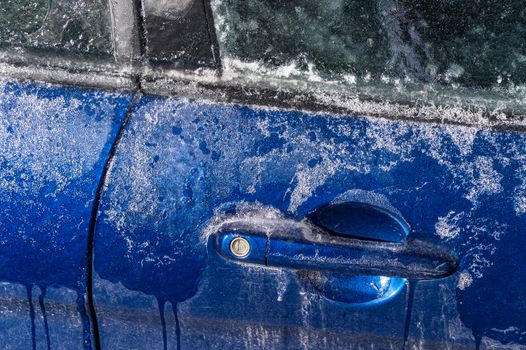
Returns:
<point x="297" y="247"/>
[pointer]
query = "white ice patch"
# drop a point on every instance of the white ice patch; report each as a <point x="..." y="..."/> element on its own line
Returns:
<point x="463" y="138"/>
<point x="447" y="227"/>
<point x="383" y="136"/>
<point x="520" y="203"/>
<point x="306" y="180"/>
<point x="465" y="280"/>
<point x="261" y="216"/>
<point x="519" y="194"/>
<point x="283" y="282"/>
<point x="235" y="68"/>
<point x="486" y="180"/>
<point x="48" y="140"/>
<point x="489" y="343"/>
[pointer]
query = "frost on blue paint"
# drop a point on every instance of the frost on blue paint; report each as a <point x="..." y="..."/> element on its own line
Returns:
<point x="180" y="164"/>
<point x="54" y="144"/>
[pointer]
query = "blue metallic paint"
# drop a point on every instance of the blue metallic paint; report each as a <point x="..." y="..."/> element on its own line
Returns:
<point x="182" y="165"/>
<point x="55" y="143"/>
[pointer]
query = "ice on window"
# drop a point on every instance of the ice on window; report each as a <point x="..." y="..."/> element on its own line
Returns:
<point x="71" y="27"/>
<point x="451" y="43"/>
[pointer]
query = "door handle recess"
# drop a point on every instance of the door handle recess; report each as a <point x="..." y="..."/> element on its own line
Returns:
<point x="300" y="247"/>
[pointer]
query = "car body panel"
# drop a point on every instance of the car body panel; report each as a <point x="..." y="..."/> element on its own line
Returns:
<point x="55" y="142"/>
<point x="183" y="165"/>
<point x="115" y="205"/>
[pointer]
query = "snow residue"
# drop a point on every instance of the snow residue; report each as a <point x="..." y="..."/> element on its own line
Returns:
<point x="306" y="177"/>
<point x="258" y="337"/>
<point x="306" y="314"/>
<point x="286" y="160"/>
<point x="464" y="280"/>
<point x="456" y="329"/>
<point x="255" y="214"/>
<point x="347" y="92"/>
<point x="520" y="203"/>
<point x="507" y="330"/>
<point x="475" y="237"/>
<point x="372" y="198"/>
<point x="386" y="138"/>
<point x="38" y="156"/>
<point x="485" y="179"/>
<point x="235" y="69"/>
<point x="395" y="142"/>
<point x="489" y="343"/>
<point x="463" y="138"/>
<point x="349" y="78"/>
<point x="307" y="180"/>
<point x="447" y="226"/>
<point x="476" y="254"/>
<point x="519" y="194"/>
<point x="283" y="281"/>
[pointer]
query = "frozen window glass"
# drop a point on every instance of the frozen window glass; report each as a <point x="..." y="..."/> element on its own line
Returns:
<point x="78" y="28"/>
<point x="480" y="43"/>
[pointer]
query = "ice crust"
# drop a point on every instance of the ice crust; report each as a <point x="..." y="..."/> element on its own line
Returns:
<point x="199" y="157"/>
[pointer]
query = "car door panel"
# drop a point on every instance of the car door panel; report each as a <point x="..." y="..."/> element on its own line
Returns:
<point x="177" y="164"/>
<point x="221" y="225"/>
<point x="183" y="165"/>
<point x="55" y="142"/>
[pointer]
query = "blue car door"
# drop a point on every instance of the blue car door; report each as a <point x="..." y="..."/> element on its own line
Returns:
<point x="318" y="175"/>
<point x="54" y="141"/>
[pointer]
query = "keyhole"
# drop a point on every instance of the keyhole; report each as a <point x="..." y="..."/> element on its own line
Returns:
<point x="240" y="247"/>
